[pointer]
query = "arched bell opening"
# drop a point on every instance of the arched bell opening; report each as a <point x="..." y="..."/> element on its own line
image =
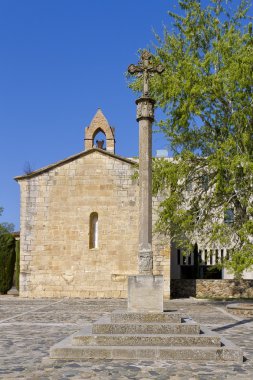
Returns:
<point x="99" y="134"/>
<point x="99" y="139"/>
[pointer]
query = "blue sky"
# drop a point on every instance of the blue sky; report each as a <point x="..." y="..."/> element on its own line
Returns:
<point x="60" y="61"/>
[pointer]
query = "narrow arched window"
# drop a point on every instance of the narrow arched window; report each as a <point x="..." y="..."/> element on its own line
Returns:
<point x="93" y="230"/>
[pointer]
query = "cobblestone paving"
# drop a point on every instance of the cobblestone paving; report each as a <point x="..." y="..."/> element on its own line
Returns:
<point x="29" y="327"/>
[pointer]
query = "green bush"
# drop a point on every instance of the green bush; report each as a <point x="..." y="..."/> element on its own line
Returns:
<point x="7" y="261"/>
<point x="17" y="264"/>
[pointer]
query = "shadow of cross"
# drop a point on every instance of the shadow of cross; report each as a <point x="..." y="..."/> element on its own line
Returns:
<point x="231" y="325"/>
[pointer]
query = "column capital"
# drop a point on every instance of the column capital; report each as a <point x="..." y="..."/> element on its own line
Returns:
<point x="145" y="108"/>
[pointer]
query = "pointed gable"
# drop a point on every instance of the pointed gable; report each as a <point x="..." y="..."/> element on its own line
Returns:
<point x="98" y="124"/>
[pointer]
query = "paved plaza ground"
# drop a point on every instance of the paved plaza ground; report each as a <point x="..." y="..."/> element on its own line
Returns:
<point x="29" y="327"/>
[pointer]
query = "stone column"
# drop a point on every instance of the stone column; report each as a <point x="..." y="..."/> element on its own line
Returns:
<point x="145" y="291"/>
<point x="145" y="117"/>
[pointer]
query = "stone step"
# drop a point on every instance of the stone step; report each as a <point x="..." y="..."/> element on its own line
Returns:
<point x="128" y="317"/>
<point x="110" y="338"/>
<point x="65" y="350"/>
<point x="85" y="338"/>
<point x="154" y="328"/>
<point x="145" y="328"/>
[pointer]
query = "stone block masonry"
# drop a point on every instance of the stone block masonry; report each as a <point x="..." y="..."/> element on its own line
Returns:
<point x="154" y="337"/>
<point x="212" y="288"/>
<point x="56" y="204"/>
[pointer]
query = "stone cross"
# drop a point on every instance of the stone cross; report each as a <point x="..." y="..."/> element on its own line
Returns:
<point x="145" y="117"/>
<point x="145" y="69"/>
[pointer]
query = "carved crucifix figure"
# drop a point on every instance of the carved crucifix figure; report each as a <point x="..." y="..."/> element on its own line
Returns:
<point x="145" y="68"/>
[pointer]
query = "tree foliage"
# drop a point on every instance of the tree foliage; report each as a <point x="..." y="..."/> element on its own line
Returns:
<point x="206" y="94"/>
<point x="5" y="227"/>
<point x="17" y="273"/>
<point x="7" y="255"/>
<point x="7" y="261"/>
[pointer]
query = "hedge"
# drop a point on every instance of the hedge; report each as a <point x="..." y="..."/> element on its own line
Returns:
<point x="7" y="261"/>
<point x="17" y="264"/>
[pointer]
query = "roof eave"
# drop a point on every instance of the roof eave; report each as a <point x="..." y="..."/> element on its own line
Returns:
<point x="72" y="158"/>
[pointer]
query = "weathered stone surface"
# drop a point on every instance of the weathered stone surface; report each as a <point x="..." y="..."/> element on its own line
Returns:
<point x="99" y="123"/>
<point x="145" y="197"/>
<point x="145" y="108"/>
<point x="145" y="293"/>
<point x="145" y="117"/>
<point x="227" y="353"/>
<point x="55" y="258"/>
<point x="146" y="261"/>
<point x="212" y="288"/>
<point x="130" y="344"/>
<point x="83" y="339"/>
<point x="128" y="317"/>
<point x="145" y="68"/>
<point x="101" y="327"/>
<point x="67" y="351"/>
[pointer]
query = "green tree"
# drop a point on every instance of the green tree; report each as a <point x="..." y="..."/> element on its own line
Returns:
<point x="5" y="227"/>
<point x="7" y="255"/>
<point x="7" y="261"/>
<point x="206" y="94"/>
<point x="17" y="247"/>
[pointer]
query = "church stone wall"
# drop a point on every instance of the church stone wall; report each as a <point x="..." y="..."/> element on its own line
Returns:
<point x="55" y="209"/>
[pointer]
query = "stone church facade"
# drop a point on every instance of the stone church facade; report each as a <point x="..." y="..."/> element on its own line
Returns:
<point x="79" y="224"/>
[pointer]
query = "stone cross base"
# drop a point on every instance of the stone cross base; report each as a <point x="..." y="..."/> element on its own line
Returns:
<point x="145" y="293"/>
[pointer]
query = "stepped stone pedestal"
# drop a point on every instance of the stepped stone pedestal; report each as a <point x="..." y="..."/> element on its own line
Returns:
<point x="148" y="336"/>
